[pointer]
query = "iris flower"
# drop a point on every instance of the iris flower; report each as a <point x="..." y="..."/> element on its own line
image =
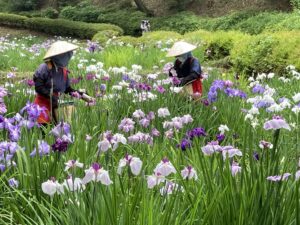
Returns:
<point x="134" y="163"/>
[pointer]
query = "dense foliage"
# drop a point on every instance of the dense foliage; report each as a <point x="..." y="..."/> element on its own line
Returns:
<point x="57" y="26"/>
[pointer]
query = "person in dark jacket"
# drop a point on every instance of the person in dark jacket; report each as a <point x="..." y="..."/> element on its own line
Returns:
<point x="186" y="67"/>
<point x="51" y="80"/>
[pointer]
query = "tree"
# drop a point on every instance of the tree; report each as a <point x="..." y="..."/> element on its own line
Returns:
<point x="142" y="7"/>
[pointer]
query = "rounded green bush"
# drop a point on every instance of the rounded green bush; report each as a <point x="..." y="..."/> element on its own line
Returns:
<point x="12" y="20"/>
<point x="103" y="36"/>
<point x="266" y="52"/>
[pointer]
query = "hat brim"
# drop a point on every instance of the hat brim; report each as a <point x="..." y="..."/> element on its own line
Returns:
<point x="180" y="48"/>
<point x="58" y="48"/>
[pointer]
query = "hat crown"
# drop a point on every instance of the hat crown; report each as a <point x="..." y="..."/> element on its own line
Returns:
<point x="59" y="47"/>
<point x="179" y="48"/>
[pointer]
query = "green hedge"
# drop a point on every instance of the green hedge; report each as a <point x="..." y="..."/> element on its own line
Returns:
<point x="68" y="28"/>
<point x="12" y="20"/>
<point x="267" y="52"/>
<point x="58" y="26"/>
<point x="129" y="19"/>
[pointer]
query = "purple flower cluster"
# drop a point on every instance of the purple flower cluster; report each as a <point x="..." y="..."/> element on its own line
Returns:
<point x="3" y="93"/>
<point x="167" y="67"/>
<point x="196" y="132"/>
<point x="126" y="125"/>
<point x="33" y="111"/>
<point x="7" y="152"/>
<point x="93" y="46"/>
<point x="258" y="89"/>
<point x="140" y="137"/>
<point x="143" y="87"/>
<point x="190" y="135"/>
<point x="224" y="86"/>
<point x="60" y="145"/>
<point x="43" y="149"/>
<point x="13" y="126"/>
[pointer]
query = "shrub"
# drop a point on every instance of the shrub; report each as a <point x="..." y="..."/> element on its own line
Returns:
<point x="85" y="14"/>
<point x="181" y="22"/>
<point x="291" y="22"/>
<point x="68" y="28"/>
<point x="12" y="20"/>
<point x="103" y="36"/>
<point x="229" y="21"/>
<point x="58" y="26"/>
<point x="155" y="36"/>
<point x="128" y="19"/>
<point x="258" y="23"/>
<point x="266" y="52"/>
<point x="215" y="45"/>
<point x="50" y="13"/>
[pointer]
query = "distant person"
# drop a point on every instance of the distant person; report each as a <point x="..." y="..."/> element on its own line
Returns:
<point x="186" y="67"/>
<point x="51" y="80"/>
<point x="145" y="26"/>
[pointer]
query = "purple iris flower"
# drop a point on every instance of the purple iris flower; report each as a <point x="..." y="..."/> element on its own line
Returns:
<point x="43" y="148"/>
<point x="220" y="137"/>
<point x="13" y="183"/>
<point x="258" y="89"/>
<point x="256" y="156"/>
<point x="2" y="167"/>
<point x="151" y="116"/>
<point x="196" y="132"/>
<point x="96" y="166"/>
<point x="175" y="81"/>
<point x="155" y="132"/>
<point x="74" y="80"/>
<point x="276" y="123"/>
<point x="90" y="76"/>
<point x="61" y="129"/>
<point x="218" y="84"/>
<point x="33" y="111"/>
<point x="14" y="133"/>
<point x="102" y="87"/>
<point x="185" y="144"/>
<point x="205" y="102"/>
<point x="93" y="46"/>
<point x="3" y="92"/>
<point x="212" y="96"/>
<point x="30" y="83"/>
<point x="132" y="84"/>
<point x="125" y="77"/>
<point x="3" y="108"/>
<point x="262" y="104"/>
<point x="144" y="122"/>
<point x="60" y="145"/>
<point x="160" y="89"/>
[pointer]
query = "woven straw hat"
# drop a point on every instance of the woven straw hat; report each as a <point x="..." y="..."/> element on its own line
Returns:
<point x="180" y="48"/>
<point x="58" y="48"/>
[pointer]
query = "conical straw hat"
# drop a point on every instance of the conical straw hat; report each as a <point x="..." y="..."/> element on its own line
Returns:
<point x="180" y="48"/>
<point x="58" y="48"/>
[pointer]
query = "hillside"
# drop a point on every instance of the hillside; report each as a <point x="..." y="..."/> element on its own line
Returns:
<point x="158" y="7"/>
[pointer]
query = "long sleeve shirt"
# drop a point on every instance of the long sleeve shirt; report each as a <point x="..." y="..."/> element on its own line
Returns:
<point x="188" y="71"/>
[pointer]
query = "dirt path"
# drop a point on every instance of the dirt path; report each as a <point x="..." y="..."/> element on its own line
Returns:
<point x="16" y="32"/>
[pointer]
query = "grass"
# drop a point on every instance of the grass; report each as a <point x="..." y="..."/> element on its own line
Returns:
<point x="216" y="197"/>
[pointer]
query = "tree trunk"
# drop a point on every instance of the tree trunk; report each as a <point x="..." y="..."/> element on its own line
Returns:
<point x="141" y="6"/>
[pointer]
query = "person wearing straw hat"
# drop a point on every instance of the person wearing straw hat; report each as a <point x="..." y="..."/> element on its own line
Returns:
<point x="51" y="80"/>
<point x="186" y="67"/>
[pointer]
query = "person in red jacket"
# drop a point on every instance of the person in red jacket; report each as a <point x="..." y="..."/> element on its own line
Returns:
<point x="51" y="80"/>
<point x="186" y="67"/>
